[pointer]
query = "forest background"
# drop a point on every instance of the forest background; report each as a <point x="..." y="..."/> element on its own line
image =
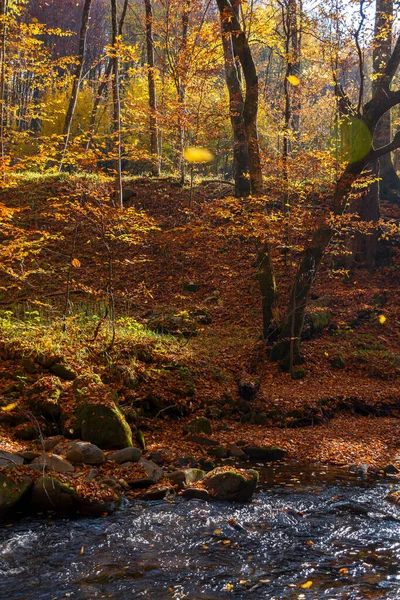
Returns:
<point x="192" y="187"/>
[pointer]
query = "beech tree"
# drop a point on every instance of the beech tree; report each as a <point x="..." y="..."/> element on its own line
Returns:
<point x="287" y="348"/>
<point x="243" y="110"/>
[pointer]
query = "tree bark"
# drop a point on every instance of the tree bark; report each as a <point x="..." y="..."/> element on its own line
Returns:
<point x="116" y="105"/>
<point x="154" y="150"/>
<point x="3" y="16"/>
<point x="236" y="107"/>
<point x="241" y="48"/>
<point x="389" y="185"/>
<point x="76" y="81"/>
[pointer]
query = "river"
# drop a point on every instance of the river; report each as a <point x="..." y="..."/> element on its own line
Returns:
<point x="312" y="532"/>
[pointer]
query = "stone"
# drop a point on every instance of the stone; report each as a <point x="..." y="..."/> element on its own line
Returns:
<point x="141" y="483"/>
<point x="28" y="455"/>
<point x="186" y="461"/>
<point x="126" y="455"/>
<point x="391" y="470"/>
<point x="201" y="440"/>
<point x="104" y="425"/>
<point x="338" y="363"/>
<point x="29" y="366"/>
<point x="52" y="462"/>
<point x="265" y="453"/>
<point x="12" y="489"/>
<point x="206" y="464"/>
<point x="158" y="493"/>
<point x="43" y="397"/>
<point x="248" y="388"/>
<point x="191" y="287"/>
<point x="86" y="453"/>
<point x="153" y="471"/>
<point x="218" y="452"/>
<point x="52" y="442"/>
<point x="199" y="425"/>
<point x="195" y="494"/>
<point x="8" y="459"/>
<point x="51" y="494"/>
<point x="183" y="477"/>
<point x="157" y="457"/>
<point x="237" y="452"/>
<point x="261" y="419"/>
<point x="232" y="485"/>
<point x="394" y="497"/>
<point x="63" y="372"/>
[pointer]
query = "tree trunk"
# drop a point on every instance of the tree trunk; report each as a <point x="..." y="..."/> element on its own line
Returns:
<point x="154" y="151"/>
<point x="3" y="16"/>
<point x="236" y="106"/>
<point x="389" y="186"/>
<point x="77" y="80"/>
<point x="104" y="82"/>
<point x="116" y="105"/>
<point x="266" y="280"/>
<point x="182" y="67"/>
<point x="241" y="48"/>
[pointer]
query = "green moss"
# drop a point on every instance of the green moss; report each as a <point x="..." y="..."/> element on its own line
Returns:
<point x="11" y="492"/>
<point x="104" y="425"/>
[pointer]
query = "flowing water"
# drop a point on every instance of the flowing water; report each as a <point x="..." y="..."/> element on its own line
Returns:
<point x="308" y="524"/>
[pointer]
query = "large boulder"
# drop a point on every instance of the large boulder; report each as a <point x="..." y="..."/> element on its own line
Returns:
<point x="13" y="487"/>
<point x="229" y="484"/>
<point x="85" y="453"/>
<point x="104" y="425"/>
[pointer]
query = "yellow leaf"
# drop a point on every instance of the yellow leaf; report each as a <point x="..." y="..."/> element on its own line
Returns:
<point x="217" y="531"/>
<point x="381" y="319"/>
<point x="229" y="587"/>
<point x="9" y="407"/>
<point x="306" y="585"/>
<point x="293" y="80"/>
<point x="226" y="542"/>
<point x="198" y="155"/>
<point x="75" y="263"/>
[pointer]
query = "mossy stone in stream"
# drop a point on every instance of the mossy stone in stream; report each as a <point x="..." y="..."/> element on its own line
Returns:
<point x="12" y="490"/>
<point x="49" y="493"/>
<point x="232" y="485"/>
<point x="104" y="425"/>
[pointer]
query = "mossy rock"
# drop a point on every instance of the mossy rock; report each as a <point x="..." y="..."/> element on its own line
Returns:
<point x="12" y="490"/>
<point x="315" y="321"/>
<point x="63" y="372"/>
<point x="198" y="425"/>
<point x="43" y="397"/>
<point x="104" y="425"/>
<point x="49" y="493"/>
<point x="173" y="322"/>
<point x="232" y="485"/>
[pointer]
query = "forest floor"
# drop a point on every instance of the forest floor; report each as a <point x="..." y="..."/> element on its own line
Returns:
<point x="187" y="323"/>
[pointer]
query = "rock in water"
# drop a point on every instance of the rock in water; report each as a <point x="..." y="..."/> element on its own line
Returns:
<point x="12" y="489"/>
<point x="229" y="484"/>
